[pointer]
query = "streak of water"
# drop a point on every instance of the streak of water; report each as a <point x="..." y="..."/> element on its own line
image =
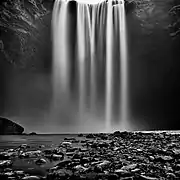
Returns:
<point x="93" y="68"/>
<point x="81" y="56"/>
<point x="124" y="70"/>
<point x="109" y="87"/>
<point x="60" y="53"/>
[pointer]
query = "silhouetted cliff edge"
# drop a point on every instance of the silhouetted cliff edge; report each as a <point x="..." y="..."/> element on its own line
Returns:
<point x="8" y="127"/>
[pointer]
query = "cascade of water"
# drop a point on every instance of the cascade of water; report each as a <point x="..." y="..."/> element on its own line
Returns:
<point x="90" y="25"/>
<point x="120" y="25"/>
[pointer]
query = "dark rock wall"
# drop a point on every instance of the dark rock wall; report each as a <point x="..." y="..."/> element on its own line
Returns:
<point x="9" y="127"/>
<point x="25" y="51"/>
<point x="24" y="28"/>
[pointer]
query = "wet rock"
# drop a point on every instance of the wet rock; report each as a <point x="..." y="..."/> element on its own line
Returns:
<point x="171" y="176"/>
<point x="66" y="143"/>
<point x="77" y="155"/>
<point x="24" y="146"/>
<point x="90" y="136"/>
<point x="84" y="141"/>
<point x="117" y="133"/>
<point x="135" y="170"/>
<point x="40" y="161"/>
<point x="19" y="173"/>
<point x="4" y="156"/>
<point x="9" y="173"/>
<point x="80" y="168"/>
<point x="147" y="178"/>
<point x="101" y="166"/>
<point x="155" y="150"/>
<point x="176" y="152"/>
<point x="95" y="145"/>
<point x="137" y="157"/>
<point x="80" y="135"/>
<point x="103" y="136"/>
<point x="60" y="174"/>
<point x="127" y="178"/>
<point x="116" y="148"/>
<point x="164" y="158"/>
<point x="72" y="149"/>
<point x="83" y="150"/>
<point x="123" y="134"/>
<point x="31" y="178"/>
<point x="152" y="158"/>
<point x="33" y="133"/>
<point x="57" y="157"/>
<point x="5" y="163"/>
<point x="177" y="167"/>
<point x="7" y="170"/>
<point x="69" y="153"/>
<point x="30" y="154"/>
<point x="129" y="167"/>
<point x="112" y="176"/>
<point x="75" y="141"/>
<point x="63" y="163"/>
<point x="48" y="151"/>
<point x="123" y="173"/>
<point x="69" y="139"/>
<point x="103" y="145"/>
<point x="177" y="173"/>
<point x="85" y="160"/>
<point x="8" y="127"/>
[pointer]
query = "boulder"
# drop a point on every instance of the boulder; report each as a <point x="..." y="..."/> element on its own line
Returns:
<point x="33" y="133"/>
<point x="8" y="127"/>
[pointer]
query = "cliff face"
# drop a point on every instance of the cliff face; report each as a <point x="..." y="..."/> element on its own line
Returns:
<point x="25" y="44"/>
<point x="24" y="26"/>
<point x="8" y="127"/>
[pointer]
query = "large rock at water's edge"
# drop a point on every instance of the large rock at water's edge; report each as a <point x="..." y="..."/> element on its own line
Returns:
<point x="8" y="127"/>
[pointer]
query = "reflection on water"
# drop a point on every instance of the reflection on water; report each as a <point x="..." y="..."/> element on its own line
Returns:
<point x="28" y="164"/>
<point x="12" y="141"/>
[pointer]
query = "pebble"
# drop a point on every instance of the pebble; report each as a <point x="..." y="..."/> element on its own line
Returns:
<point x="31" y="178"/>
<point x="5" y="163"/>
<point x="147" y="178"/>
<point x="40" y="161"/>
<point x="122" y="155"/>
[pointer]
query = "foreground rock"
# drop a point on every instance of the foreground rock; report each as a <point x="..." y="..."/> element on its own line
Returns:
<point x="118" y="156"/>
<point x="8" y="127"/>
<point x="33" y="133"/>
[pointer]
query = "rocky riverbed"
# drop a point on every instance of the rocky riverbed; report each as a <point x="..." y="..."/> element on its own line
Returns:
<point x="121" y="156"/>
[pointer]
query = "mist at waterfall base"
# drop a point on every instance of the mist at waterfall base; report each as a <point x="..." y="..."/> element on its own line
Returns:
<point x="153" y="71"/>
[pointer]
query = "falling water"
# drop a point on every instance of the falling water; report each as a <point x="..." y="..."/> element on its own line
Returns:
<point x="109" y="86"/>
<point x="124" y="75"/>
<point x="60" y="53"/>
<point x="81" y="55"/>
<point x="95" y="21"/>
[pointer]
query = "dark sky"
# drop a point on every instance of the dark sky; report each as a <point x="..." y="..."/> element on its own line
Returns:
<point x="153" y="62"/>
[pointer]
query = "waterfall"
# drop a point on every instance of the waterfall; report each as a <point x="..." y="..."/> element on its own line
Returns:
<point x="124" y="71"/>
<point x="98" y="24"/>
<point x="60" y="53"/>
<point x="109" y="86"/>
